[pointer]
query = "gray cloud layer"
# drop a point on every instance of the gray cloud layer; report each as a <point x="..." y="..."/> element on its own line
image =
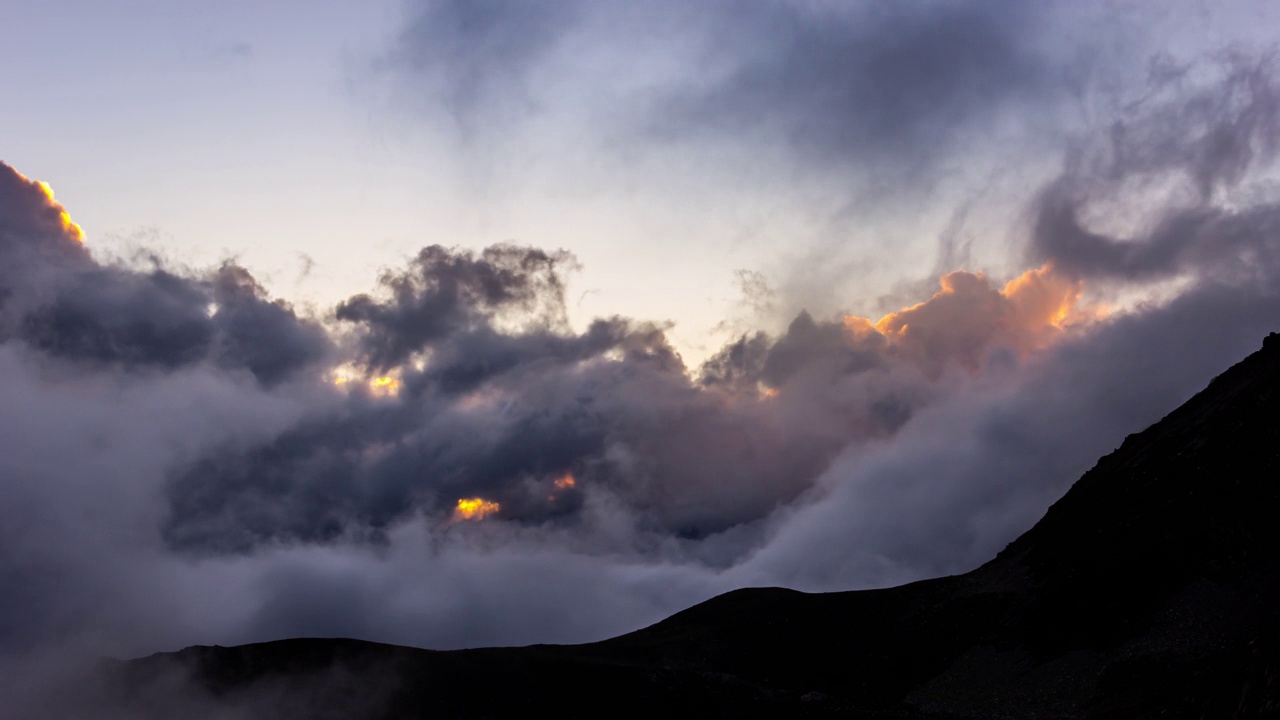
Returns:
<point x="894" y="86"/>
<point x="1209" y="139"/>
<point x="840" y="82"/>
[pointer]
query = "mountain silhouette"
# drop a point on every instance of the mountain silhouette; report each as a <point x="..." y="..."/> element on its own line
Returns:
<point x="1151" y="589"/>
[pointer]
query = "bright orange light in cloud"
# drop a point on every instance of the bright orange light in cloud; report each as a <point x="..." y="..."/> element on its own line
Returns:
<point x="474" y="508"/>
<point x="564" y="482"/>
<point x="386" y="385"/>
<point x="69" y="226"/>
<point x="1042" y="297"/>
<point x="969" y="314"/>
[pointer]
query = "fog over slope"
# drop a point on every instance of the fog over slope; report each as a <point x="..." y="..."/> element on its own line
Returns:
<point x="448" y="461"/>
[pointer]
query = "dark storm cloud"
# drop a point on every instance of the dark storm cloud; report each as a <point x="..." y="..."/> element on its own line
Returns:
<point x="806" y="340"/>
<point x="260" y="335"/>
<point x="129" y="319"/>
<point x="479" y="53"/>
<point x="498" y="398"/>
<point x="500" y="414"/>
<point x="739" y="364"/>
<point x="444" y="291"/>
<point x="59" y="301"/>
<point x="1202" y="240"/>
<point x="136" y="319"/>
<point x="972" y="471"/>
<point x="477" y="419"/>
<point x="1208" y="137"/>
<point x="892" y="83"/>
<point x="468" y="359"/>
<point x="897" y="86"/>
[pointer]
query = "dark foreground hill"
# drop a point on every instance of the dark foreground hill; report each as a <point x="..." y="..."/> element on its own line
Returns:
<point x="1152" y="589"/>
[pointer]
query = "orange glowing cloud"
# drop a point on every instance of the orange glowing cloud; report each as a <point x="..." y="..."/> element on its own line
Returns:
<point x="1042" y="298"/>
<point x="69" y="227"/>
<point x="385" y="385"/>
<point x="969" y="315"/>
<point x="565" y="482"/>
<point x="474" y="508"/>
<point x="73" y="231"/>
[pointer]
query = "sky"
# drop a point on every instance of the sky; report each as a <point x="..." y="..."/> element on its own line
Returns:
<point x="454" y="323"/>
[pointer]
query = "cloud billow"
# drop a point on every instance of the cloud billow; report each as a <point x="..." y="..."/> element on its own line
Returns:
<point x="60" y="301"/>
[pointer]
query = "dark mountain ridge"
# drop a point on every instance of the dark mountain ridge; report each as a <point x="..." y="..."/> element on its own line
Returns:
<point x="1151" y="589"/>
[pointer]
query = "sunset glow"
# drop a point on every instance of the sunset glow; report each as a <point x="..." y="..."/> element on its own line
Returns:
<point x="968" y="312"/>
<point x="383" y="386"/>
<point x="69" y="226"/>
<point x="474" y="508"/>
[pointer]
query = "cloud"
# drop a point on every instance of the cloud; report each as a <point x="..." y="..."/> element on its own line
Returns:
<point x="61" y="302"/>
<point x="446" y="290"/>
<point x="940" y="425"/>
<point x="476" y="57"/>
<point x="179" y="463"/>
<point x="497" y="398"/>
<point x="32" y="218"/>
<point x="911" y="101"/>
<point x="265" y="337"/>
<point x="973" y="470"/>
<point x="893" y="86"/>
<point x="1205" y="137"/>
